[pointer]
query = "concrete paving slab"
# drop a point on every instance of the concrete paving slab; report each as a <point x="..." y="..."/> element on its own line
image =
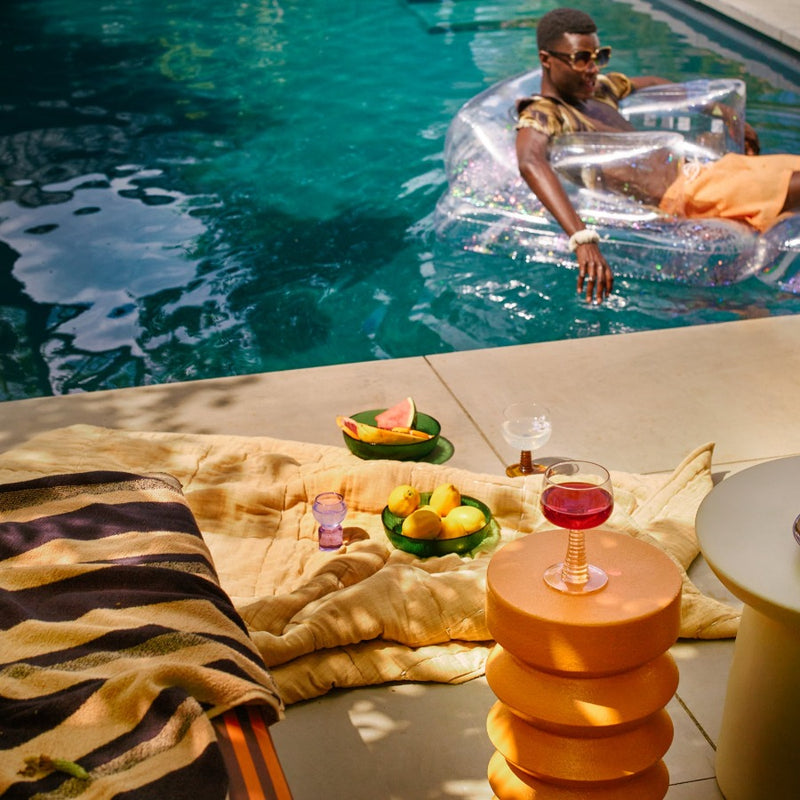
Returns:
<point x="640" y="402"/>
<point x="775" y="19"/>
<point x="300" y="405"/>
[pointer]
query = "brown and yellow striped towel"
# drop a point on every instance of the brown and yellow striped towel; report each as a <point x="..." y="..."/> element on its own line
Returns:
<point x="117" y="644"/>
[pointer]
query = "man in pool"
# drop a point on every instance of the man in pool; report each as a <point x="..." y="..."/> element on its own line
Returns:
<point x="576" y="97"/>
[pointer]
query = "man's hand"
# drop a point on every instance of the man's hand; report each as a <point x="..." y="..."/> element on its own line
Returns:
<point x="535" y="168"/>
<point x="593" y="273"/>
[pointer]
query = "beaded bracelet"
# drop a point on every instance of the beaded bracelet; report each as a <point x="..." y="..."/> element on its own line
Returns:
<point x="585" y="236"/>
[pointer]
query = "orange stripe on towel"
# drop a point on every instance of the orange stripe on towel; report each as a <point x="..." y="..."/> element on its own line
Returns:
<point x="269" y="754"/>
<point x="247" y="768"/>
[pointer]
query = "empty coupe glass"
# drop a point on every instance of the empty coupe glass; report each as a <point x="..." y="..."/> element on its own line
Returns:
<point x="526" y="426"/>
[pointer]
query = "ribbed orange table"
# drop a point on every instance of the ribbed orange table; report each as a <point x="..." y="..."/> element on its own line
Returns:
<point x="581" y="680"/>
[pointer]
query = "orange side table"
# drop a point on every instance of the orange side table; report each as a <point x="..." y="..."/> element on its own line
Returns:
<point x="581" y="680"/>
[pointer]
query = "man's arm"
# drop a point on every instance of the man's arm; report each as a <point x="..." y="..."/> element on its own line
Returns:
<point x="643" y="81"/>
<point x="752" y="146"/>
<point x="593" y="271"/>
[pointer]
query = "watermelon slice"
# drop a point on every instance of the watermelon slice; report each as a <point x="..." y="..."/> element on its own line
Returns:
<point x="401" y="415"/>
<point x="373" y="435"/>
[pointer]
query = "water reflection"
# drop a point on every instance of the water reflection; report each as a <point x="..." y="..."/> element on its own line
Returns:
<point x="197" y="189"/>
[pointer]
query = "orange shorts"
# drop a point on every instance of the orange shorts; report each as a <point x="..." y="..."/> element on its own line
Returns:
<point x="750" y="189"/>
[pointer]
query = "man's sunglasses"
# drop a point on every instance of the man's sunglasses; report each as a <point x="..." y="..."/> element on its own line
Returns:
<point x="581" y="60"/>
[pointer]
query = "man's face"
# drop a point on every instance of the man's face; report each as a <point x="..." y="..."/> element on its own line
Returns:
<point x="572" y="84"/>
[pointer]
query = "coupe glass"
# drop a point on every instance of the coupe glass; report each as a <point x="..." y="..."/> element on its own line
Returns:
<point x="329" y="509"/>
<point x="526" y="426"/>
<point x="576" y="495"/>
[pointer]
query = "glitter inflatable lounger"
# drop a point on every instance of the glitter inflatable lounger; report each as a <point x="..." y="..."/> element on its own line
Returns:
<point x="488" y="208"/>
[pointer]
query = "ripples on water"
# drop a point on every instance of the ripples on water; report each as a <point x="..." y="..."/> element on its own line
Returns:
<point x="197" y="189"/>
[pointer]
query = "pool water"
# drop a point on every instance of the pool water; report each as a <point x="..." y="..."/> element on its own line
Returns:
<point x="193" y="189"/>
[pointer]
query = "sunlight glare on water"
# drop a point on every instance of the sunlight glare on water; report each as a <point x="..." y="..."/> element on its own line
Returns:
<point x="193" y="189"/>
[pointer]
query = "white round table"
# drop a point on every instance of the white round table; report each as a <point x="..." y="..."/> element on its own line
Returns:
<point x="745" y="528"/>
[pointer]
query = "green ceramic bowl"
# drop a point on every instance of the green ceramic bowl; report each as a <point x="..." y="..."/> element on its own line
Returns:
<point x="425" y="548"/>
<point x="413" y="451"/>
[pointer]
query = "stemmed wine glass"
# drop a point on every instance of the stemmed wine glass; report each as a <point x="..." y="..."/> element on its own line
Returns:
<point x="526" y="426"/>
<point x="576" y="495"/>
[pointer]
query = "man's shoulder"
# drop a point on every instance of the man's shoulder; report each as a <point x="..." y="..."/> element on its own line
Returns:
<point x="537" y="101"/>
<point x="542" y="114"/>
<point x="613" y="86"/>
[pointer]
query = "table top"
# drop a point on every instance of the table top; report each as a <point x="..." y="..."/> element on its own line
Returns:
<point x="642" y="580"/>
<point x="745" y="529"/>
<point x="630" y="621"/>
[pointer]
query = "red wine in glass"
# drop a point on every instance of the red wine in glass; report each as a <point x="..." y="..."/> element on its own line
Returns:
<point x="576" y="495"/>
<point x="576" y="505"/>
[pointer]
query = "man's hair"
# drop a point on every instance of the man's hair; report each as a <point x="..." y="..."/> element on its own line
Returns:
<point x="554" y="24"/>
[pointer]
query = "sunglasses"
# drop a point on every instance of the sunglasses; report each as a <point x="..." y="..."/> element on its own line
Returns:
<point x="581" y="60"/>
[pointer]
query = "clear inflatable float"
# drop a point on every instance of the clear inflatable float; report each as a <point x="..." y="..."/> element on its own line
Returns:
<point x="488" y="208"/>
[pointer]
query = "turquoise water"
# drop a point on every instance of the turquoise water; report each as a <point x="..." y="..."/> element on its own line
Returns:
<point x="197" y="189"/>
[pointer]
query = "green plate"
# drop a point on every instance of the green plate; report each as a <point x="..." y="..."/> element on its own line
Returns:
<point x="414" y="451"/>
<point x="424" y="548"/>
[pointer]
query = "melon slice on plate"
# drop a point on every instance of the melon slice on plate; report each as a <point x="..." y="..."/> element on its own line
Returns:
<point x="401" y="415"/>
<point x="373" y="435"/>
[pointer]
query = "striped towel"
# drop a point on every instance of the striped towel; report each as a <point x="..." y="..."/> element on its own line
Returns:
<point x="117" y="644"/>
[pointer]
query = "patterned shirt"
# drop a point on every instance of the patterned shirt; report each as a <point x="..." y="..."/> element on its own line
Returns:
<point x="553" y="117"/>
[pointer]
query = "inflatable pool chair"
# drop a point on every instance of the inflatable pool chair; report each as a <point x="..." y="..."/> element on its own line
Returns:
<point x="488" y="208"/>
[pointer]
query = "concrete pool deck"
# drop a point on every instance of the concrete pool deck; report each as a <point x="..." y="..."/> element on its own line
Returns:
<point x="636" y="402"/>
<point x="775" y="19"/>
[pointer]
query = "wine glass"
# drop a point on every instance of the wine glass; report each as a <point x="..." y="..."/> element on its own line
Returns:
<point x="576" y="495"/>
<point x="526" y="426"/>
<point x="329" y="509"/>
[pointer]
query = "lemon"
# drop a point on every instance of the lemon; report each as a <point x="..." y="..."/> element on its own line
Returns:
<point x="451" y="529"/>
<point x="469" y="517"/>
<point x="403" y="500"/>
<point x="444" y="499"/>
<point x="422" y="524"/>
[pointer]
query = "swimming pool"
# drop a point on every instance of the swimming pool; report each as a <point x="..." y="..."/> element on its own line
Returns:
<point x="197" y="189"/>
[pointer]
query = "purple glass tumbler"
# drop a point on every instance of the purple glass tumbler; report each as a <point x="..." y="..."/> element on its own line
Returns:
<point x="329" y="510"/>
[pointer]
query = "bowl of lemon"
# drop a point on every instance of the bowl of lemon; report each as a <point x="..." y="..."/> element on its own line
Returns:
<point x="435" y="523"/>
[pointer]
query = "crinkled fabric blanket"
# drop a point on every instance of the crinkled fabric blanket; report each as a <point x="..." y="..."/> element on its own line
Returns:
<point x="368" y="613"/>
<point x="117" y="644"/>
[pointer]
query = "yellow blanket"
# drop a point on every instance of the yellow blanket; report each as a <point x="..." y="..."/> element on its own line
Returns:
<point x="367" y="614"/>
